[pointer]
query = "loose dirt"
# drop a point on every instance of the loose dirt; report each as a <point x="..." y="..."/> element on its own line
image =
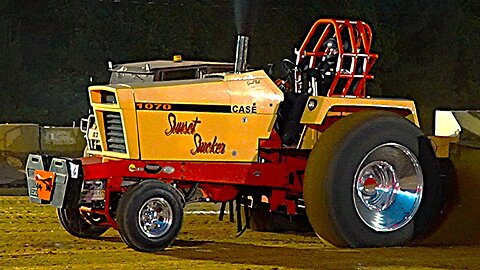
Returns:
<point x="32" y="238"/>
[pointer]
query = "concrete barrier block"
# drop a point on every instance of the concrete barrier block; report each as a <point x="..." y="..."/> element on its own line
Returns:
<point x="19" y="138"/>
<point x="64" y="141"/>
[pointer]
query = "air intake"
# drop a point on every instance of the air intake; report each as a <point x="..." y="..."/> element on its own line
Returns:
<point x="114" y="132"/>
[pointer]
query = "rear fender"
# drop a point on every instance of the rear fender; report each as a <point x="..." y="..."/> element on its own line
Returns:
<point x="320" y="112"/>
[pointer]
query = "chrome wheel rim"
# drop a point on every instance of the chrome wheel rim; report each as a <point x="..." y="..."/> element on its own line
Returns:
<point x="155" y="217"/>
<point x="388" y="187"/>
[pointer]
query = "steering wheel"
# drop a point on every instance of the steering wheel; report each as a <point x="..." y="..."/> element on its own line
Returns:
<point x="288" y="66"/>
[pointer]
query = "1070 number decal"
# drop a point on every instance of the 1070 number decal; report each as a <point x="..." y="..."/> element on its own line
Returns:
<point x="153" y="106"/>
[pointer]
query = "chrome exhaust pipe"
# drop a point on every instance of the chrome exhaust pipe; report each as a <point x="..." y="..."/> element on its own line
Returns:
<point x="241" y="54"/>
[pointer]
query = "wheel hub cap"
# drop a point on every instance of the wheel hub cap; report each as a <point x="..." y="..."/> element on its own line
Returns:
<point x="155" y="217"/>
<point x="388" y="187"/>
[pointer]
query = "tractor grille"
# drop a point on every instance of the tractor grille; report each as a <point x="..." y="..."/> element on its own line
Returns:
<point x="114" y="132"/>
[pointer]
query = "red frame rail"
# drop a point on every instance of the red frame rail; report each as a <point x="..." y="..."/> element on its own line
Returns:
<point x="281" y="178"/>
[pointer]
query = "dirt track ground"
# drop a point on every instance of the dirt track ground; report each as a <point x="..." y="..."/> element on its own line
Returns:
<point x="31" y="237"/>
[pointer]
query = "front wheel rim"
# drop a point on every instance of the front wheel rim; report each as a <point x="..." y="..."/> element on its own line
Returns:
<point x="388" y="187"/>
<point x="155" y="217"/>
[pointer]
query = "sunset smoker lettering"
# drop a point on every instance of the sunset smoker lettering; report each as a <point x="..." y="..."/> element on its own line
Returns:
<point x="212" y="147"/>
<point x="181" y="127"/>
<point x="190" y="128"/>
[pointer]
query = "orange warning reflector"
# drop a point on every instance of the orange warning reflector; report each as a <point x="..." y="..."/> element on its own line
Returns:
<point x="44" y="181"/>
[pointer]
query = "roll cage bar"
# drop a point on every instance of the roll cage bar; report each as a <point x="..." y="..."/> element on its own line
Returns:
<point x="353" y="61"/>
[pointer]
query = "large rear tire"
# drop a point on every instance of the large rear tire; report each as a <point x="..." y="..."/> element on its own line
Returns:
<point x="367" y="184"/>
<point x="150" y="216"/>
<point x="75" y="224"/>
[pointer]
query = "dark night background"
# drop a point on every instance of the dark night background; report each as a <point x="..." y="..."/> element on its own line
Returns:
<point x="48" y="49"/>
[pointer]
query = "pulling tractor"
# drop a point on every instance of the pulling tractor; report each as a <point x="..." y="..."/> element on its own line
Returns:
<point x="313" y="144"/>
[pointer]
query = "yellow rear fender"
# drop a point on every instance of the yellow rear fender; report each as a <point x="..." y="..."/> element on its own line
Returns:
<point x="320" y="112"/>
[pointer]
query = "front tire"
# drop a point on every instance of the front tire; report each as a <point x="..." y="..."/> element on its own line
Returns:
<point x="75" y="224"/>
<point x="150" y="216"/>
<point x="366" y="185"/>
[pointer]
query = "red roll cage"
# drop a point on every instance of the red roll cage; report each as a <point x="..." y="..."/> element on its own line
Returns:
<point x="354" y="60"/>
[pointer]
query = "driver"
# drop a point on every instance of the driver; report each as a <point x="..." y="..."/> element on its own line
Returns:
<point x="294" y="103"/>
<point x="326" y="67"/>
<point x="330" y="59"/>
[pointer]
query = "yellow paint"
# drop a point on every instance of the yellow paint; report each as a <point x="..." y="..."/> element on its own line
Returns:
<point x="309" y="138"/>
<point x="325" y="104"/>
<point x="126" y="107"/>
<point x="441" y="145"/>
<point x="224" y="136"/>
<point x="238" y="132"/>
<point x="249" y="101"/>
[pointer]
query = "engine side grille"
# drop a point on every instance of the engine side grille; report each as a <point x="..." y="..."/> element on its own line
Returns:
<point x="114" y="132"/>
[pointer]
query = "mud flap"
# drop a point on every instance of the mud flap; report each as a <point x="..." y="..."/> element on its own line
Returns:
<point x="63" y="180"/>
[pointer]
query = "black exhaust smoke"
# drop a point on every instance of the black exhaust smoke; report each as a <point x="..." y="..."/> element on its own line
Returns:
<point x="245" y="15"/>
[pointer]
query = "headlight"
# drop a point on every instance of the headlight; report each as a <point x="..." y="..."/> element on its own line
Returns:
<point x="312" y="104"/>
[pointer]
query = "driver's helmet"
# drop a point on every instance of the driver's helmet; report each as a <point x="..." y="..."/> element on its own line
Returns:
<point x="331" y="46"/>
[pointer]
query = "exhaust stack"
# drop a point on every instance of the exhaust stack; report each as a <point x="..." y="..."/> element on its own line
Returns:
<point x="241" y="54"/>
<point x="245" y="15"/>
